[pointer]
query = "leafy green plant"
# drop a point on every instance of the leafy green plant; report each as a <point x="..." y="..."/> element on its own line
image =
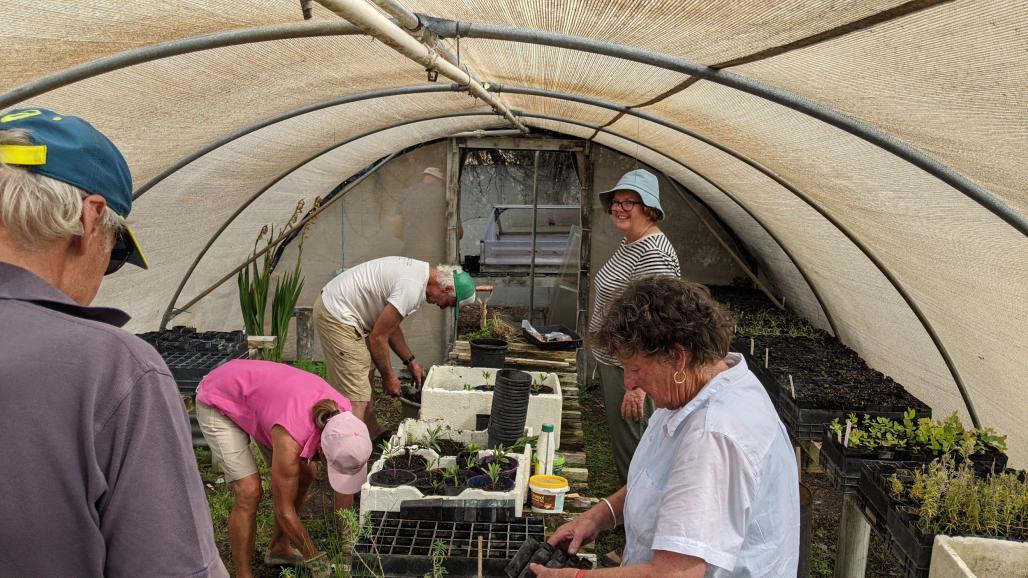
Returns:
<point x="519" y="444"/>
<point x="500" y="455"/>
<point x="487" y="331"/>
<point x="253" y="282"/>
<point x="438" y="560"/>
<point x="471" y="462"/>
<point x="388" y="448"/>
<point x="432" y="437"/>
<point x="493" y="471"/>
<point x="452" y="473"/>
<point x="352" y="528"/>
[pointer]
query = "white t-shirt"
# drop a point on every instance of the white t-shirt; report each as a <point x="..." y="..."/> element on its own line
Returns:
<point x="717" y="480"/>
<point x="358" y="295"/>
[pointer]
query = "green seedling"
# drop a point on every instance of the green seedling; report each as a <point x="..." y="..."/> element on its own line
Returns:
<point x="493" y="471"/>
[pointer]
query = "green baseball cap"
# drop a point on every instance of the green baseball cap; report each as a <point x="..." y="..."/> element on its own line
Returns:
<point x="464" y="288"/>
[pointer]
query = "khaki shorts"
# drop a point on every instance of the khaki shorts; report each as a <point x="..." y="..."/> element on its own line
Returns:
<point x="346" y="355"/>
<point x="229" y="444"/>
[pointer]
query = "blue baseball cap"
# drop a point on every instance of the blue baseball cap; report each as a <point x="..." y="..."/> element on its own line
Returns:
<point x="641" y="181"/>
<point x="69" y="149"/>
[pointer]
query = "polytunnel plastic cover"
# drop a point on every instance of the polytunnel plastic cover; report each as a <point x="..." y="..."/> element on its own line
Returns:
<point x="892" y="251"/>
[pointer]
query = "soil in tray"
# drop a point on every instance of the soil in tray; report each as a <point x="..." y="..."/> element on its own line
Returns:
<point x="390" y="478"/>
<point x="450" y="447"/>
<point x="406" y="461"/>
<point x="541" y="390"/>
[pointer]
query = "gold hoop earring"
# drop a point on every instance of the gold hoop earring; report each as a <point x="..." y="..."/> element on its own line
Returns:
<point x="677" y="381"/>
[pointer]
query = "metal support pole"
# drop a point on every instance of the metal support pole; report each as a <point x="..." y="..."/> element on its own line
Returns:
<point x="452" y="227"/>
<point x="535" y="222"/>
<point x="584" y="161"/>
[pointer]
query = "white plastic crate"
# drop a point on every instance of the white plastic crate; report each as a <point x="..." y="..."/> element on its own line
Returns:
<point x="445" y="397"/>
<point x="378" y="499"/>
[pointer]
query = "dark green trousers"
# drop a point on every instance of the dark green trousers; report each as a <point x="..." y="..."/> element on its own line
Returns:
<point x="624" y="435"/>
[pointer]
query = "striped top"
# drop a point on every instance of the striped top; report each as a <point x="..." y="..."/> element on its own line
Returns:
<point x="651" y="255"/>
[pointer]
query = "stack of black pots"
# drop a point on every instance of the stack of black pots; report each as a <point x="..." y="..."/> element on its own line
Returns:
<point x="510" y="407"/>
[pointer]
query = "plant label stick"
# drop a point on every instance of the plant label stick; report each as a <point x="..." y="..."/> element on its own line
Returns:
<point x="751" y="346"/>
<point x="479" y="557"/>
<point x="792" y="389"/>
<point x="846" y="438"/>
<point x="767" y="353"/>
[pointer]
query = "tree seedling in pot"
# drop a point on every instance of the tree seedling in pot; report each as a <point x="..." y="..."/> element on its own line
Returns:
<point x="493" y="471"/>
<point x="452" y="473"/>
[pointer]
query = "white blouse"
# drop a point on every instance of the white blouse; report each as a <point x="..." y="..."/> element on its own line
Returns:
<point x="717" y="480"/>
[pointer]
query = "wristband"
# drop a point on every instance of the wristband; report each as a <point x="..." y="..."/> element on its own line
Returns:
<point x="408" y="361"/>
<point x="612" y="514"/>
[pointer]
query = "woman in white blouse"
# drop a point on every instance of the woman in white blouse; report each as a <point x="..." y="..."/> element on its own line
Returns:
<point x="713" y="487"/>
<point x="634" y="208"/>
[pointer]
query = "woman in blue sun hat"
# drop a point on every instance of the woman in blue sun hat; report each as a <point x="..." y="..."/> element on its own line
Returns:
<point x="634" y="208"/>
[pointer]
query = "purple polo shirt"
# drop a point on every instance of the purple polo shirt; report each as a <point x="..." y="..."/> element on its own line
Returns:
<point x="258" y="395"/>
<point x="99" y="476"/>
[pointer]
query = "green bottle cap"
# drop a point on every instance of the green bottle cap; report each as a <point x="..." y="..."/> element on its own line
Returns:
<point x="547" y="427"/>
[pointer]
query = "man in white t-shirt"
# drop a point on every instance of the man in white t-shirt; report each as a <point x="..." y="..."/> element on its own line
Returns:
<point x="358" y="315"/>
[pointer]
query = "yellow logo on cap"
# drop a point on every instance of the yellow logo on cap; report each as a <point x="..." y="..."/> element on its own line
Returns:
<point x="20" y="115"/>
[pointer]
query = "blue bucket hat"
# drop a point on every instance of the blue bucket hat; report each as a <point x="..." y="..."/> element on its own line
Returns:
<point x="69" y="149"/>
<point x="641" y="181"/>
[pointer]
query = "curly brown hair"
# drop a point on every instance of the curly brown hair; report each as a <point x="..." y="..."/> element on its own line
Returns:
<point x="654" y="314"/>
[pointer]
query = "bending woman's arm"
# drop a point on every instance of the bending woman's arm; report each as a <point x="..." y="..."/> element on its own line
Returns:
<point x="285" y="487"/>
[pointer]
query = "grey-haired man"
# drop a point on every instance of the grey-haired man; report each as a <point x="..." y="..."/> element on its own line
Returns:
<point x="99" y="474"/>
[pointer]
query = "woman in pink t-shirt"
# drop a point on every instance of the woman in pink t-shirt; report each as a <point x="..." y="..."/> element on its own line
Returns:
<point x="295" y="417"/>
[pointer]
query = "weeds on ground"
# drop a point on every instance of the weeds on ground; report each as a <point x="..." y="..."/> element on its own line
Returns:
<point x="438" y="560"/>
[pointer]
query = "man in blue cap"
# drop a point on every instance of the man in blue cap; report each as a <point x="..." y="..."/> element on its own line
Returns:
<point x="358" y="315"/>
<point x="99" y="473"/>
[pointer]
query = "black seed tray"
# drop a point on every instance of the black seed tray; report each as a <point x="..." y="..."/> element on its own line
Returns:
<point x="911" y="547"/>
<point x="844" y="470"/>
<point x="574" y="343"/>
<point x="873" y="492"/>
<point x="741" y="345"/>
<point x="396" y="546"/>
<point x="810" y="424"/>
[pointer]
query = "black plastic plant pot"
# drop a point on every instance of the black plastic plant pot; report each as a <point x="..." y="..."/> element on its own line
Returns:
<point x="488" y="352"/>
<point x="408" y="461"/>
<point x="391" y="478"/>
<point x="510" y="469"/>
<point x="510" y="407"/>
<point x="482" y="482"/>
<point x="534" y="551"/>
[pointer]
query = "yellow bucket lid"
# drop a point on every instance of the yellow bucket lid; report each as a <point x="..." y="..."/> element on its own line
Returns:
<point x="548" y="482"/>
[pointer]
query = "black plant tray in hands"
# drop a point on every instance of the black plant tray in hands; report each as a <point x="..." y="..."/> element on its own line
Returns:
<point x="538" y="552"/>
<point x="574" y="343"/>
<point x="395" y="546"/>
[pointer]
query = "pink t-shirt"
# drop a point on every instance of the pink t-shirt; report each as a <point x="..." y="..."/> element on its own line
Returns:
<point x="258" y="395"/>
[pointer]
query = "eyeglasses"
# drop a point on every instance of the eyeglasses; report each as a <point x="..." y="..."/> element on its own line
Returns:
<point x="120" y="252"/>
<point x="624" y="205"/>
